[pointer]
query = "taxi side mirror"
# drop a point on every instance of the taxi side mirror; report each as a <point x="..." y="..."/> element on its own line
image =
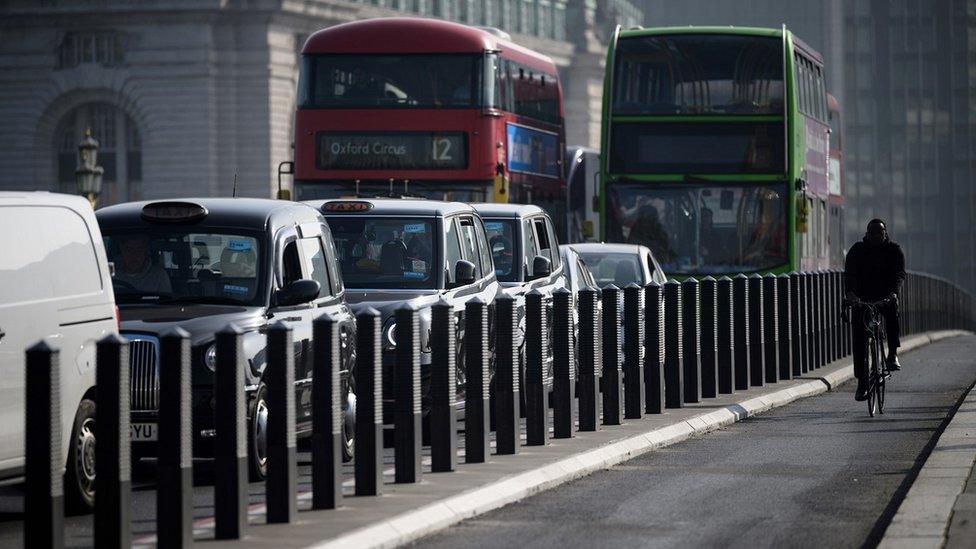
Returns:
<point x="297" y="293"/>
<point x="541" y="267"/>
<point x="464" y="273"/>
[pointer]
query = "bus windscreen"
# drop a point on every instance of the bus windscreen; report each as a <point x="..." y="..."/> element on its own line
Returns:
<point x="389" y="81"/>
<point x="701" y="229"/>
<point x="698" y="74"/>
<point x="698" y="147"/>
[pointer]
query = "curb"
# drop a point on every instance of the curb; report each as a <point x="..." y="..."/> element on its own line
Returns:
<point x="923" y="518"/>
<point x="428" y="519"/>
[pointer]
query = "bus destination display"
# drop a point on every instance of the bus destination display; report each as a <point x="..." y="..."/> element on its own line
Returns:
<point x="391" y="151"/>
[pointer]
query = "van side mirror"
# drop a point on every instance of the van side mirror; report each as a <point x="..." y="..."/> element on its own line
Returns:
<point x="297" y="293"/>
<point x="463" y="273"/>
<point x="541" y="267"/>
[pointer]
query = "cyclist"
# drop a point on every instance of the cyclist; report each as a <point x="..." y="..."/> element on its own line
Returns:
<point x="874" y="270"/>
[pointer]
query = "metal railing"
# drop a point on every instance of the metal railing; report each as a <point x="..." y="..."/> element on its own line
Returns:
<point x="639" y="350"/>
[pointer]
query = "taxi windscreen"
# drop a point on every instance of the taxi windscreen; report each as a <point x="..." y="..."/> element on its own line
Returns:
<point x="385" y="252"/>
<point x="186" y="267"/>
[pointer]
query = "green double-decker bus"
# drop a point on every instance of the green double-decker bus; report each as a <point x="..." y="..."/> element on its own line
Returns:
<point x="715" y="150"/>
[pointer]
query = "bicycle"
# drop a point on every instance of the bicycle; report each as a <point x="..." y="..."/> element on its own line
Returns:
<point x="875" y="338"/>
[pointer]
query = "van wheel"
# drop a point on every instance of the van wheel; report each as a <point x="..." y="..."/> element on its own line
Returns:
<point x="257" y="435"/>
<point x="79" y="471"/>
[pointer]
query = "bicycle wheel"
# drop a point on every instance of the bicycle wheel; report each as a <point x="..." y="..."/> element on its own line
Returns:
<point x="872" y="375"/>
<point x="882" y="376"/>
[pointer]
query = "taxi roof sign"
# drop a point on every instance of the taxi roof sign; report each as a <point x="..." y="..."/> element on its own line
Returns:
<point x="347" y="206"/>
<point x="173" y="212"/>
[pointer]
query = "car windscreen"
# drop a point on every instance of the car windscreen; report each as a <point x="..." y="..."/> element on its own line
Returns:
<point x="501" y="240"/>
<point x="386" y="252"/>
<point x="619" y="269"/>
<point x="175" y="265"/>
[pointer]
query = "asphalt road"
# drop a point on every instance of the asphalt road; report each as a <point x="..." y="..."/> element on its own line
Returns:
<point x="816" y="473"/>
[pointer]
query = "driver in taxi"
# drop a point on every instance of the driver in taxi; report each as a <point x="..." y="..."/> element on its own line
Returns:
<point x="137" y="270"/>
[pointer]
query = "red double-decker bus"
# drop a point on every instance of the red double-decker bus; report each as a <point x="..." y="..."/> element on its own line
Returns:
<point x="426" y="107"/>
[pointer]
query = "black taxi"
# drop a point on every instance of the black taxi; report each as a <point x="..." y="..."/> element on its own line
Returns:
<point x="202" y="264"/>
<point x="525" y="250"/>
<point x="393" y="251"/>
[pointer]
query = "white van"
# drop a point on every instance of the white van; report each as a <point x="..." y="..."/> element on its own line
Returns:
<point x="55" y="284"/>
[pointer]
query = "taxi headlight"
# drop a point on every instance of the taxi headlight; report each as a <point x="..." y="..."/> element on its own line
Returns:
<point x="210" y="357"/>
<point x="389" y="335"/>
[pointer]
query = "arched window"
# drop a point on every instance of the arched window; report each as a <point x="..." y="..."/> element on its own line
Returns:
<point x="119" y="153"/>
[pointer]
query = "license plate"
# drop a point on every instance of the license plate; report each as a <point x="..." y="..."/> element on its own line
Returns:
<point x="143" y="431"/>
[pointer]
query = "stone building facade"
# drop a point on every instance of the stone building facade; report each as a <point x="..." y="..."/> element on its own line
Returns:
<point x="195" y="97"/>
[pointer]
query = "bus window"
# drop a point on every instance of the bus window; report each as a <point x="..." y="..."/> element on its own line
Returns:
<point x="698" y="74"/>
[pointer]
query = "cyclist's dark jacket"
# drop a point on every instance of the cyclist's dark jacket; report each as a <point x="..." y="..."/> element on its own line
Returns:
<point x="874" y="272"/>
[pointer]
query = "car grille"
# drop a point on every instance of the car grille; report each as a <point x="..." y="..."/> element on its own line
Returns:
<point x="143" y="373"/>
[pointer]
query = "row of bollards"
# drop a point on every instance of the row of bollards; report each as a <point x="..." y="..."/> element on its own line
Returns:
<point x="615" y="354"/>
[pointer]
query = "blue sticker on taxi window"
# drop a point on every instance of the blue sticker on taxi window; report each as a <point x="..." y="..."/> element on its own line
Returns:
<point x="415" y="228"/>
<point x="238" y="245"/>
<point x="414" y="276"/>
<point x="494" y="225"/>
<point x="235" y="290"/>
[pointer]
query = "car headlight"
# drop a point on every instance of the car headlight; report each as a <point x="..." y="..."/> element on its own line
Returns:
<point x="210" y="357"/>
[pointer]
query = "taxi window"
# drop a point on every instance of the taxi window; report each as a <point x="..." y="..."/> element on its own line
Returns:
<point x="486" y="266"/>
<point x="553" y="244"/>
<point x="531" y="246"/>
<point x="453" y="246"/>
<point x="469" y="244"/>
<point x="315" y="256"/>
<point x="291" y="265"/>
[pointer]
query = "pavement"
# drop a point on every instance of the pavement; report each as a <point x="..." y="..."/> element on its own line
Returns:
<point x="816" y="473"/>
<point x="408" y="512"/>
<point x="940" y="508"/>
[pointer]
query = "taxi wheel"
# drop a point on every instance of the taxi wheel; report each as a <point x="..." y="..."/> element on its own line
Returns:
<point x="79" y="471"/>
<point x="349" y="429"/>
<point x="257" y="435"/>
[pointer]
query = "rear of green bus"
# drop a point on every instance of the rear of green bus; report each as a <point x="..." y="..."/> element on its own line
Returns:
<point x="704" y="149"/>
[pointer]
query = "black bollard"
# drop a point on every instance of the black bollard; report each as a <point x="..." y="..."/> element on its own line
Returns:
<point x="508" y="427"/>
<point x="588" y="301"/>
<point x="633" y="344"/>
<point x="326" y="414"/>
<point x="785" y="327"/>
<point x="477" y="413"/>
<point x="536" y="354"/>
<point x="770" y="328"/>
<point x="816" y="288"/>
<point x="113" y="480"/>
<point x="832" y="316"/>
<point x="43" y="476"/>
<point x="368" y="465"/>
<point x="230" y="441"/>
<point x="690" y="340"/>
<point x="563" y="365"/>
<point x="443" y="391"/>
<point x="611" y="381"/>
<point x="407" y="428"/>
<point x="673" y="372"/>
<point x="280" y="483"/>
<point x="809" y="327"/>
<point x="757" y="375"/>
<point x="740" y="331"/>
<point x="796" y="324"/>
<point x="709" y="337"/>
<point x="654" y="345"/>
<point x="725" y="359"/>
<point x="174" y="489"/>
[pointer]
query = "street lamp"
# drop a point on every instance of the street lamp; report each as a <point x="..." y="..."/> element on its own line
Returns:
<point x="88" y="174"/>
